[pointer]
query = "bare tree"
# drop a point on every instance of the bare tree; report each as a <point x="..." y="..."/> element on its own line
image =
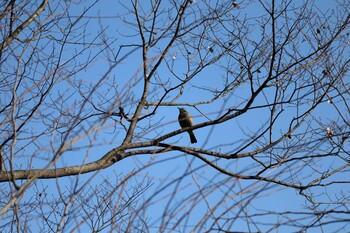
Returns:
<point x="89" y="128"/>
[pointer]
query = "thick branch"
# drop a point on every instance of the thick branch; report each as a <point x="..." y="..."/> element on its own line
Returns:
<point x="14" y="35"/>
<point x="107" y="160"/>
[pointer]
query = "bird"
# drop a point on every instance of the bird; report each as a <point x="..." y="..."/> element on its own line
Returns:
<point x="235" y="5"/>
<point x="329" y="132"/>
<point x="185" y="120"/>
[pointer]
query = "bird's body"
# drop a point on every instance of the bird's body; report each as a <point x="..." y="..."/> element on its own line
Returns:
<point x="185" y="120"/>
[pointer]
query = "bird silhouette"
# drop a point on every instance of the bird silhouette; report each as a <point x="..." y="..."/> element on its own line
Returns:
<point x="185" y="120"/>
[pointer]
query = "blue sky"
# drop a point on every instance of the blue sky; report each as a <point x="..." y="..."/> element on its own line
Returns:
<point x="228" y="137"/>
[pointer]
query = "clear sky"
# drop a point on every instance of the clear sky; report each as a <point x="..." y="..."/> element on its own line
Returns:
<point x="273" y="198"/>
<point x="167" y="167"/>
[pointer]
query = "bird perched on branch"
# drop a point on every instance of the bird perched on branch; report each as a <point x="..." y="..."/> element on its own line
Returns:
<point x="185" y="121"/>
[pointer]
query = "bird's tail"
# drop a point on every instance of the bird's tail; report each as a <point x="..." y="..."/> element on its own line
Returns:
<point x="192" y="137"/>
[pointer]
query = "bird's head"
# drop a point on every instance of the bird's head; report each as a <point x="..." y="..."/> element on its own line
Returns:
<point x="182" y="109"/>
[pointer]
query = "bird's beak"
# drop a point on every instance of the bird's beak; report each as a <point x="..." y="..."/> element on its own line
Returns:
<point x="178" y="108"/>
